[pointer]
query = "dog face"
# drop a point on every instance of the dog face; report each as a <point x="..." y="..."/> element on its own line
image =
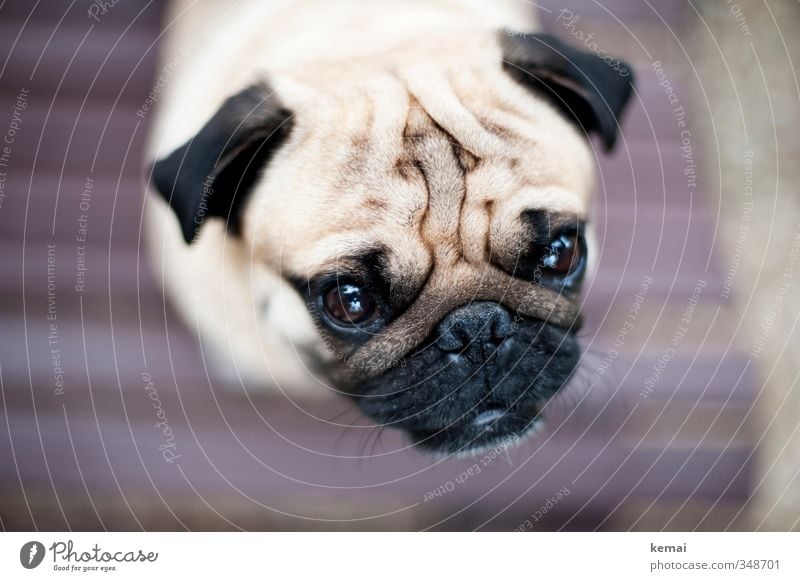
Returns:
<point x="433" y="218"/>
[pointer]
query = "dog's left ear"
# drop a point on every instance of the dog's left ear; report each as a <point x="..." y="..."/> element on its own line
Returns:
<point x="588" y="88"/>
<point x="212" y="173"/>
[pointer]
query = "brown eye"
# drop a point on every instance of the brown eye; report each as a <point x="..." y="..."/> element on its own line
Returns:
<point x="563" y="256"/>
<point x="349" y="305"/>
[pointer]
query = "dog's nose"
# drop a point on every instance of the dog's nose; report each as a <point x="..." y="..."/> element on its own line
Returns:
<point x="474" y="327"/>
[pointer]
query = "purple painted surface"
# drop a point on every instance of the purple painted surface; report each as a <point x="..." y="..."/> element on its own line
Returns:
<point x="90" y="457"/>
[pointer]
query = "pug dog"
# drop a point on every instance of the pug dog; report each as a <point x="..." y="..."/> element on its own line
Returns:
<point x="386" y="199"/>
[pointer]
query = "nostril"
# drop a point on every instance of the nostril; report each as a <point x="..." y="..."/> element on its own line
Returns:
<point x="450" y="339"/>
<point x="502" y="327"/>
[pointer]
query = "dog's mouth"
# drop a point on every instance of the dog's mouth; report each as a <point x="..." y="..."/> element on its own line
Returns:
<point x="478" y="382"/>
<point x="445" y="412"/>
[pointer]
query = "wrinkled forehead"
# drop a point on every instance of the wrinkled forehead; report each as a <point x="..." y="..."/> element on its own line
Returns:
<point x="423" y="163"/>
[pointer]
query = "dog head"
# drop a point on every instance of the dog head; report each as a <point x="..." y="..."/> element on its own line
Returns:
<point x="432" y="214"/>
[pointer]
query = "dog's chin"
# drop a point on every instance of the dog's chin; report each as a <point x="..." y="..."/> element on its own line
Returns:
<point x="487" y="432"/>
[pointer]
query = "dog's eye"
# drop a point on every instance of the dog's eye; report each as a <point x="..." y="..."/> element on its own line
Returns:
<point x="349" y="305"/>
<point x="563" y="255"/>
<point x="563" y="258"/>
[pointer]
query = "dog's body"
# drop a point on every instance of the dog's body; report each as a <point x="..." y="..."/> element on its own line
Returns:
<point x="387" y="145"/>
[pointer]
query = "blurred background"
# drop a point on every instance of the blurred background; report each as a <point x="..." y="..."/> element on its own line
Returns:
<point x="684" y="416"/>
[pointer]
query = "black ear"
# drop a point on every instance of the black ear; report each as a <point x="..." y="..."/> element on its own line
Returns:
<point x="212" y="173"/>
<point x="590" y="89"/>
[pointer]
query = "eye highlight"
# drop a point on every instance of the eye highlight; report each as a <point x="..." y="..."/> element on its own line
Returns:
<point x="563" y="255"/>
<point x="349" y="305"/>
